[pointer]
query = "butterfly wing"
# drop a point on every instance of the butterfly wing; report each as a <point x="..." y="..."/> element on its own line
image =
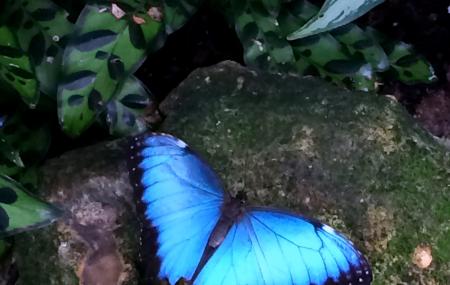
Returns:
<point x="273" y="247"/>
<point x="181" y="198"/>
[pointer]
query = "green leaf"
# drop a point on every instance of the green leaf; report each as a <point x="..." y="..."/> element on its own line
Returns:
<point x="406" y="65"/>
<point x="272" y="6"/>
<point x="125" y="112"/>
<point x="104" y="52"/>
<point x="410" y="68"/>
<point x="264" y="45"/>
<point x="16" y="68"/>
<point x="8" y="153"/>
<point x="26" y="138"/>
<point x="326" y="54"/>
<point x="21" y="212"/>
<point x="333" y="14"/>
<point x="178" y="12"/>
<point x="28" y="135"/>
<point x="4" y="245"/>
<point x="42" y="30"/>
<point x="30" y="178"/>
<point x="359" y="42"/>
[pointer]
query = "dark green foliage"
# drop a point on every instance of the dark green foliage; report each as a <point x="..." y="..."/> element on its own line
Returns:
<point x="348" y="55"/>
<point x="86" y="70"/>
<point x="24" y="142"/>
<point x="42" y="31"/>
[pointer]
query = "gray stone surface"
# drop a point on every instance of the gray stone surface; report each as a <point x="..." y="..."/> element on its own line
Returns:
<point x="356" y="161"/>
<point x="96" y="241"/>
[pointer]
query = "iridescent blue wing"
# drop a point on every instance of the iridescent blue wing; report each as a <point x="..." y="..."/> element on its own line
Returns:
<point x="268" y="247"/>
<point x="181" y="198"/>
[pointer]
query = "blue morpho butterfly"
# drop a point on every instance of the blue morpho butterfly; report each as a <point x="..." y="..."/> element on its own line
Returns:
<point x="201" y="235"/>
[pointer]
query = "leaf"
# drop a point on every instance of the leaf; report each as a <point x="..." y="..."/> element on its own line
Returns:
<point x="4" y="245"/>
<point x="410" y="67"/>
<point x="21" y="212"/>
<point x="333" y="14"/>
<point x="103" y="52"/>
<point x="406" y="65"/>
<point x="264" y="45"/>
<point x="7" y="152"/>
<point x="178" y="12"/>
<point x="272" y="6"/>
<point x="16" y="68"/>
<point x="24" y="137"/>
<point x="42" y="30"/>
<point x="30" y="178"/>
<point x="358" y="41"/>
<point x="29" y="135"/>
<point x="125" y="112"/>
<point x="324" y="53"/>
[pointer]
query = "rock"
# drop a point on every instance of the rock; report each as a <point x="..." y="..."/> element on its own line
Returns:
<point x="96" y="241"/>
<point x="356" y="161"/>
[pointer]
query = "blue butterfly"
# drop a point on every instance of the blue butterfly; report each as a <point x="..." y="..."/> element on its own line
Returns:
<point x="200" y="234"/>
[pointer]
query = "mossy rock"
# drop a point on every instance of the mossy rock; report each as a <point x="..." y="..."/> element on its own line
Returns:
<point x="356" y="161"/>
<point x="96" y="241"/>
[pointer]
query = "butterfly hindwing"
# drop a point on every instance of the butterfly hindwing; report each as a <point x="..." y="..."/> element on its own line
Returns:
<point x="181" y="199"/>
<point x="273" y="247"/>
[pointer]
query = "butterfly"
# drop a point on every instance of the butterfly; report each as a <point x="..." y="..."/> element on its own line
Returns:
<point x="197" y="233"/>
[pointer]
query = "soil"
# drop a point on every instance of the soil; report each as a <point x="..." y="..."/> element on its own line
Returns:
<point x="207" y="39"/>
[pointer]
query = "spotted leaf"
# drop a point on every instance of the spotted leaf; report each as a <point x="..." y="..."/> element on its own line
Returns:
<point x="406" y="65"/>
<point x="125" y="113"/>
<point x="348" y="55"/>
<point x="359" y="42"/>
<point x="264" y="47"/>
<point x="16" y="68"/>
<point x="103" y="52"/>
<point x="42" y="31"/>
<point x="20" y="211"/>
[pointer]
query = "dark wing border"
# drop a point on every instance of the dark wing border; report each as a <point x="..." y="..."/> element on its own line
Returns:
<point x="149" y="263"/>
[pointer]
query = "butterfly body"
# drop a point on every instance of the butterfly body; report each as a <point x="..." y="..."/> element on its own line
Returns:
<point x="201" y="234"/>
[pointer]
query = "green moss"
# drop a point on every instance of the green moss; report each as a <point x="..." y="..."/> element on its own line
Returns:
<point x="354" y="160"/>
<point x="37" y="243"/>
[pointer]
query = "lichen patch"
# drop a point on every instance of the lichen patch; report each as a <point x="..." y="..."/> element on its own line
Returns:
<point x="380" y="228"/>
<point x="303" y="141"/>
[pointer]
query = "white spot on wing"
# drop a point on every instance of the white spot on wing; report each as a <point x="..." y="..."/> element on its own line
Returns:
<point x="181" y="143"/>
<point x="328" y="229"/>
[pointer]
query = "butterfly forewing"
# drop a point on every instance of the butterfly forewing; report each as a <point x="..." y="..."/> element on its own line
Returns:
<point x="181" y="198"/>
